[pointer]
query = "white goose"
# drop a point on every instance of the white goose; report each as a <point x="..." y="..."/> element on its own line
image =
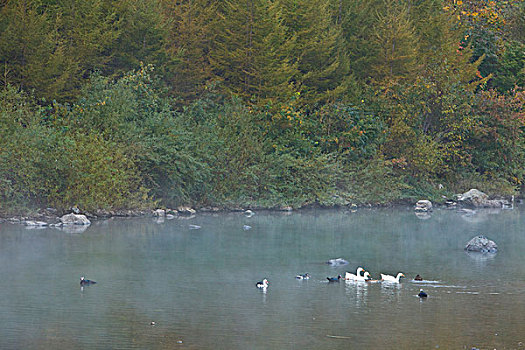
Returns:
<point x="358" y="276"/>
<point x="391" y="279"/>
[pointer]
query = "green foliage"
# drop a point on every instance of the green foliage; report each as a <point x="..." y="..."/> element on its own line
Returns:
<point x="395" y="37"/>
<point x="132" y="113"/>
<point x="511" y="69"/>
<point x="498" y="138"/>
<point x="347" y="130"/>
<point x="257" y="103"/>
<point x="248" y="54"/>
<point x="492" y="186"/>
<point x="52" y="46"/>
<point x="190" y="35"/>
<point x="42" y="166"/>
<point x="21" y="147"/>
<point x="255" y="163"/>
<point x="372" y="182"/>
<point x="298" y="181"/>
<point x="99" y="175"/>
<point x="315" y="48"/>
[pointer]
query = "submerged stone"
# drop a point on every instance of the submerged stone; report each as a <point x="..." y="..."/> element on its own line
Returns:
<point x="337" y="262"/>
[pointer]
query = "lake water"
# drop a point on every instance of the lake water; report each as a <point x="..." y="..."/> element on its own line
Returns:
<point x="198" y="285"/>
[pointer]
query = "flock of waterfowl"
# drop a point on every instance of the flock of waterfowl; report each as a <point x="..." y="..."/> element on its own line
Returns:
<point x="361" y="275"/>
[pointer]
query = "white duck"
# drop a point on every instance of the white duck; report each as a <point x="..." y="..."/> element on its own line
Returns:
<point x="358" y="276"/>
<point x="391" y="279"/>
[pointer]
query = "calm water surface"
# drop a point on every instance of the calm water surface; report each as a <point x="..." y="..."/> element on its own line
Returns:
<point x="198" y="285"/>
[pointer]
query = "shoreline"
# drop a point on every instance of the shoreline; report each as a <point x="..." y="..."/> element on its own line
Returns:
<point x="53" y="217"/>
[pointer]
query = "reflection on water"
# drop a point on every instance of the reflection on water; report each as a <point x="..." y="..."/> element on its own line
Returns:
<point x="165" y="285"/>
<point x="357" y="292"/>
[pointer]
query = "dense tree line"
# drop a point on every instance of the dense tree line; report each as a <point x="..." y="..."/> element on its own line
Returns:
<point x="126" y="103"/>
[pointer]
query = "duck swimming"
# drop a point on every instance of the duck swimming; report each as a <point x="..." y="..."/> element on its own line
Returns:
<point x="333" y="279"/>
<point x="303" y="277"/>
<point x="262" y="284"/>
<point x="422" y="294"/>
<point x="418" y="278"/>
<point x="351" y="277"/>
<point x="392" y="279"/>
<point x="360" y="276"/>
<point x="85" y="282"/>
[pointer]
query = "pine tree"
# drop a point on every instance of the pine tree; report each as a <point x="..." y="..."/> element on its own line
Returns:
<point x="396" y="38"/>
<point x="247" y="54"/>
<point x="357" y="25"/>
<point x="429" y="114"/>
<point x="316" y="50"/>
<point x="140" y="36"/>
<point x="24" y="44"/>
<point x="189" y="40"/>
<point x="53" y="46"/>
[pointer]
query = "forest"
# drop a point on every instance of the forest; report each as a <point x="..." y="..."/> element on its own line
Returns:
<point x="126" y="104"/>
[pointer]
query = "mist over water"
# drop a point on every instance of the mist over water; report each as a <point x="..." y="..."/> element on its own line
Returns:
<point x="198" y="285"/>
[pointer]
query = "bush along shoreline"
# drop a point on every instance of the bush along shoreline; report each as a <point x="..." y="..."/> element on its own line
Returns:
<point x="125" y="145"/>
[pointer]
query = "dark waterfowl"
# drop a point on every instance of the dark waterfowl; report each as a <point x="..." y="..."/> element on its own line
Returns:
<point x="334" y="279"/>
<point x="303" y="277"/>
<point x="85" y="282"/>
<point x="262" y="284"/>
<point x="418" y="278"/>
<point x="422" y="294"/>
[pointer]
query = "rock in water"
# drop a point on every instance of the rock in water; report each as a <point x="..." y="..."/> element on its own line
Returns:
<point x="186" y="210"/>
<point x="423" y="206"/>
<point x="481" y="244"/>
<point x="477" y="199"/>
<point x="159" y="213"/>
<point x="74" y="219"/>
<point x="35" y="223"/>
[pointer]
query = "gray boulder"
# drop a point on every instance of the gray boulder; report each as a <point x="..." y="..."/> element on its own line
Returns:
<point x="186" y="210"/>
<point x="423" y="206"/>
<point x="481" y="244"/>
<point x="477" y="199"/>
<point x="159" y="213"/>
<point x="74" y="219"/>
